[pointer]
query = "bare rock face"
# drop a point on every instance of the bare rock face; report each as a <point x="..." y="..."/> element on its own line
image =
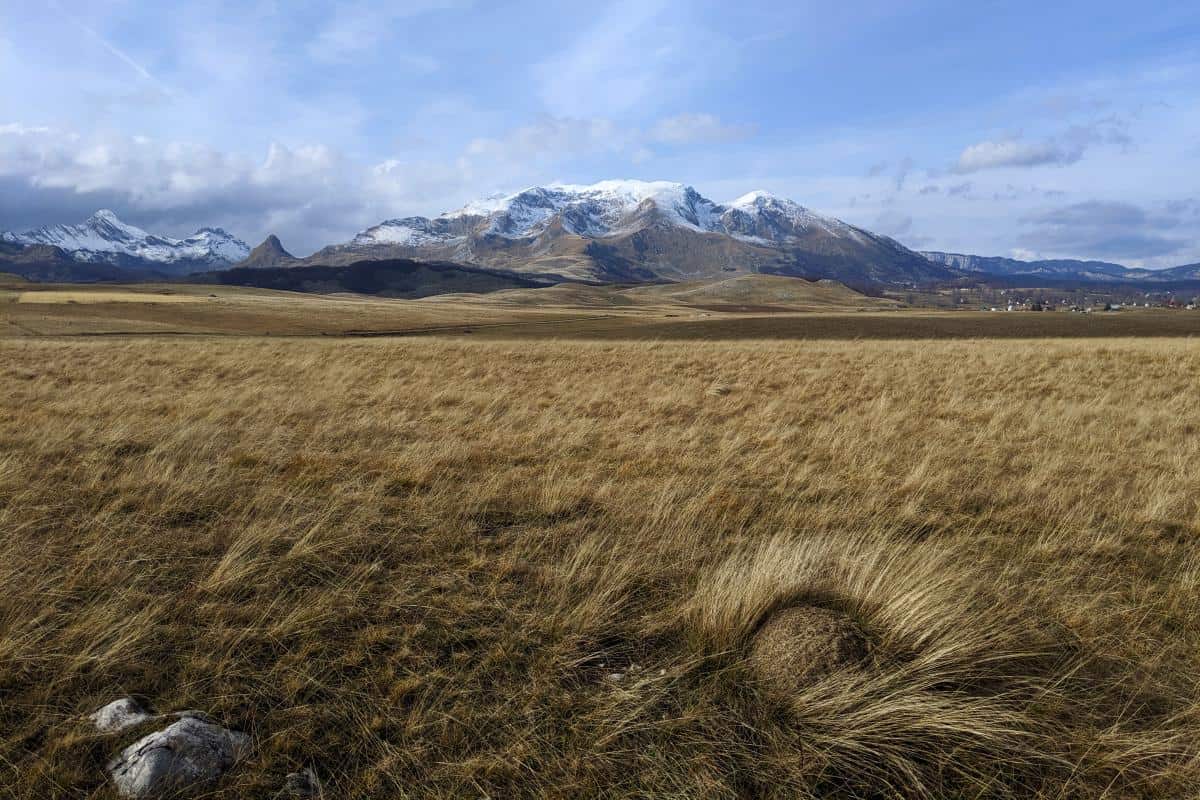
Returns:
<point x="800" y="645"/>
<point x="188" y="755"/>
<point x="119" y="715"/>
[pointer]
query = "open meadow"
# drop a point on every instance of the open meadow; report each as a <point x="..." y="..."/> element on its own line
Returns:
<point x="746" y="307"/>
<point x="542" y="568"/>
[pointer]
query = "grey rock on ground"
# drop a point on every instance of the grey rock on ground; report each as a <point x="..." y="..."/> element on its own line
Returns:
<point x="119" y="715"/>
<point x="301" y="784"/>
<point x="188" y="755"/>
<point x="798" y="646"/>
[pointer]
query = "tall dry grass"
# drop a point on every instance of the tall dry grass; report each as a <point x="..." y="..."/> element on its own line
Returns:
<point x="443" y="569"/>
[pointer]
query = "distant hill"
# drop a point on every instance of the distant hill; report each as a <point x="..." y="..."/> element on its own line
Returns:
<point x="642" y="231"/>
<point x="1062" y="269"/>
<point x="1188" y="272"/>
<point x="751" y="293"/>
<point x="387" y="278"/>
<point x="41" y="262"/>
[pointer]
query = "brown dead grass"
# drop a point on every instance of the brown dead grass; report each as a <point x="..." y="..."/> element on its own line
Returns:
<point x="53" y="297"/>
<point x="442" y="569"/>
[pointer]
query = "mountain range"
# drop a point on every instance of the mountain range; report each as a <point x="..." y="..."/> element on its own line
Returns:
<point x="1062" y="269"/>
<point x="612" y="231"/>
<point x="103" y="247"/>
<point x="640" y="231"/>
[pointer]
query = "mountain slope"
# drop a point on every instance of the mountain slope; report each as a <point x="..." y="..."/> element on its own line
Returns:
<point x="995" y="265"/>
<point x="103" y="239"/>
<point x="635" y="230"/>
<point x="1188" y="272"/>
<point x="387" y="278"/>
<point x="269" y="254"/>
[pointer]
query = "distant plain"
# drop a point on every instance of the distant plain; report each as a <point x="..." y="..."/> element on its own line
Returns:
<point x="746" y="307"/>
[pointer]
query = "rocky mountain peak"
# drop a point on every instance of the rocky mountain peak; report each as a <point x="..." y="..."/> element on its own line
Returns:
<point x="270" y="253"/>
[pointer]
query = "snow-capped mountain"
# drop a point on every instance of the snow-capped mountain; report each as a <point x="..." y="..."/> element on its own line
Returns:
<point x="607" y="209"/>
<point x="105" y="239"/>
<point x="639" y="230"/>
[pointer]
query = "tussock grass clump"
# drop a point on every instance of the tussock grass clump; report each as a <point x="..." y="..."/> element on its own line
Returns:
<point x="444" y="569"/>
<point x="957" y="681"/>
<point x="799" y="644"/>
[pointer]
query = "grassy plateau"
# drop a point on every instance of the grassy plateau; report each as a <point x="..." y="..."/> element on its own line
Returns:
<point x="456" y="567"/>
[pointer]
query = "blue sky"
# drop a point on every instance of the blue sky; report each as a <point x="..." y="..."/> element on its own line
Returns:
<point x="1060" y="129"/>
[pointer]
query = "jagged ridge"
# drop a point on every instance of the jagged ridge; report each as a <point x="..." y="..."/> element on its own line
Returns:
<point x="638" y="230"/>
<point x="104" y="239"/>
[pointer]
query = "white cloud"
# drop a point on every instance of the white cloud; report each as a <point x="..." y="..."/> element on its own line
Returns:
<point x="630" y="58"/>
<point x="357" y="28"/>
<point x="698" y="128"/>
<point x="551" y="137"/>
<point x="1104" y="229"/>
<point x="893" y="223"/>
<point x="309" y="195"/>
<point x="1061" y="150"/>
<point x="1013" y="152"/>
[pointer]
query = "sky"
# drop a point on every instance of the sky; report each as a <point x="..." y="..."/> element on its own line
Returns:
<point x="1025" y="129"/>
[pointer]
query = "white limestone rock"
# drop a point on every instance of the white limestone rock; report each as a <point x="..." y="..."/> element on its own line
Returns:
<point x="119" y="715"/>
<point x="188" y="755"/>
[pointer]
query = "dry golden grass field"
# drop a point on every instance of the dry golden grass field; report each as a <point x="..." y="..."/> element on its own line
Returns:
<point x="747" y="307"/>
<point x="456" y="567"/>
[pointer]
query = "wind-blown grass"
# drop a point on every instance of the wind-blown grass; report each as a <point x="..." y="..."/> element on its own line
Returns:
<point x="436" y="569"/>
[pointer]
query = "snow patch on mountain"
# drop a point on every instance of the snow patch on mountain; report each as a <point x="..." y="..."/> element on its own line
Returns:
<point x="410" y="231"/>
<point x="764" y="211"/>
<point x="593" y="211"/>
<point x="609" y="209"/>
<point x="103" y="237"/>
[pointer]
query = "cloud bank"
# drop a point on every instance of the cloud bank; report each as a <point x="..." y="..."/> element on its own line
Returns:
<point x="1108" y="230"/>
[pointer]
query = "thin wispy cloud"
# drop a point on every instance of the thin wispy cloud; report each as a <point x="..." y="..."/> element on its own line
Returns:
<point x="117" y="52"/>
<point x="353" y="29"/>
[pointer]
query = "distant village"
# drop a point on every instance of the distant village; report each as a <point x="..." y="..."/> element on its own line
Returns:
<point x="1005" y="300"/>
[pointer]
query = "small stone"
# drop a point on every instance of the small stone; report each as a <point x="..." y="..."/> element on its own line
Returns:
<point x="798" y="646"/>
<point x="119" y="715"/>
<point x="187" y="756"/>
<point x="301" y="784"/>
